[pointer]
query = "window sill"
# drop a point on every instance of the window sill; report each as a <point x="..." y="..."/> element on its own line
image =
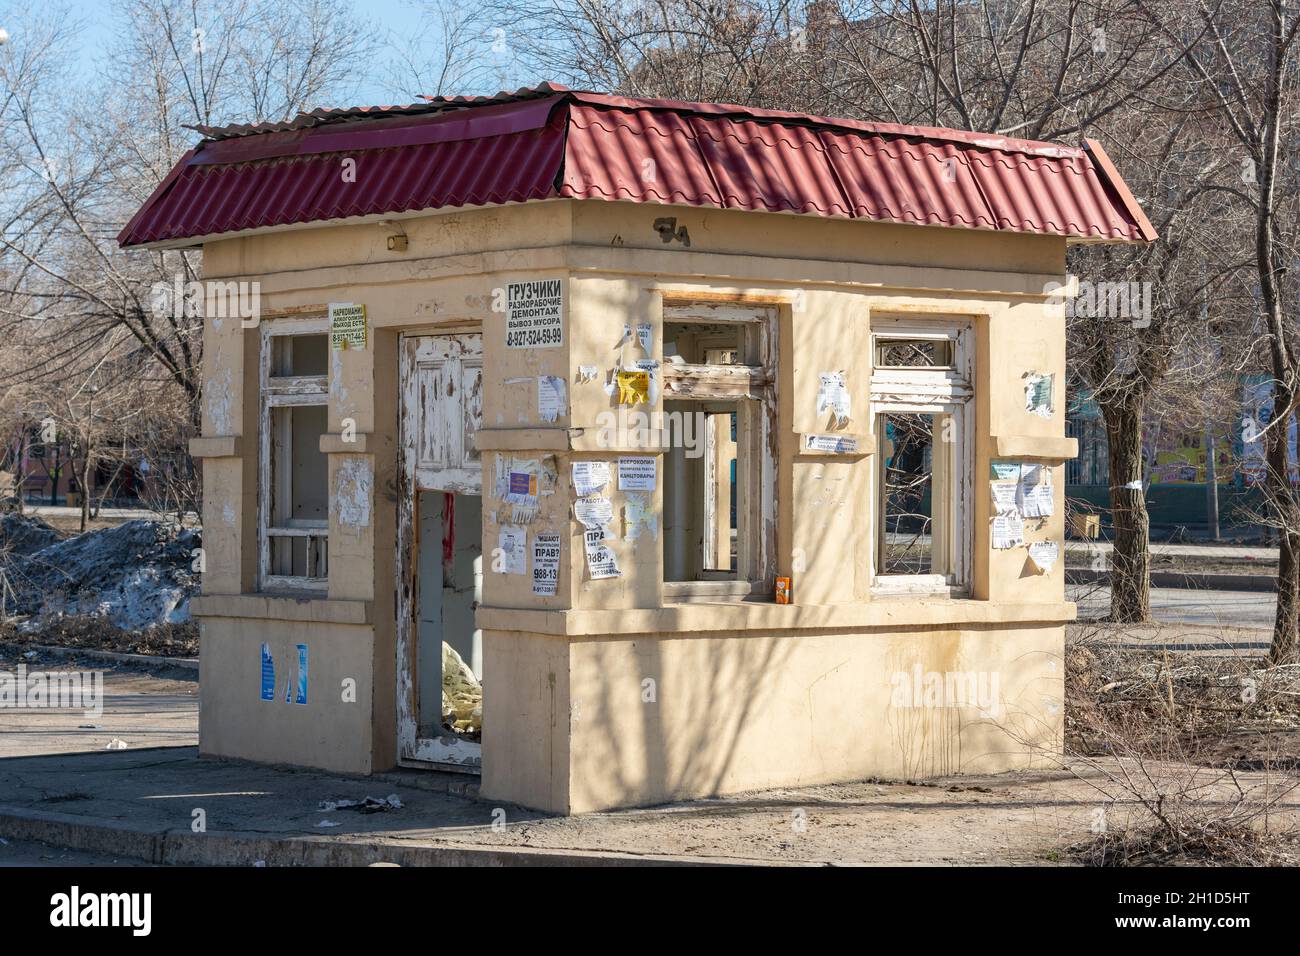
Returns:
<point x="298" y="606"/>
<point x="884" y="614"/>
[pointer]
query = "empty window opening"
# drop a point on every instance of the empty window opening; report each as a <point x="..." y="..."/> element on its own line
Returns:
<point x="921" y="416"/>
<point x="294" y="480"/>
<point x="703" y="343"/>
<point x="912" y="476"/>
<point x="913" y="353"/>
<point x="701" y="495"/>
<point x="718" y="467"/>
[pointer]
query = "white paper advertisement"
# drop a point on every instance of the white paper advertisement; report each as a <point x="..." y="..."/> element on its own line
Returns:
<point x="601" y="562"/>
<point x="1044" y="554"/>
<point x="546" y="563"/>
<point x="535" y="314"/>
<point x="1008" y="531"/>
<point x="636" y="473"/>
<point x="833" y="396"/>
<point x="589" y="477"/>
<point x="512" y="555"/>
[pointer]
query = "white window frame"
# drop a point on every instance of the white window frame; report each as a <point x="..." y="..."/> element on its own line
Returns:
<point x="285" y="392"/>
<point x="753" y="389"/>
<point x="947" y="391"/>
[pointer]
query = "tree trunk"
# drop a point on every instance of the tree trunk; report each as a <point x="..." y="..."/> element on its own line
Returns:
<point x="1130" y="572"/>
<point x="1282" y="503"/>
<point x="84" y="480"/>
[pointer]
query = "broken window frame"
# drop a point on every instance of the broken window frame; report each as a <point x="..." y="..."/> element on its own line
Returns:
<point x="275" y="488"/>
<point x="752" y="387"/>
<point x="946" y="391"/>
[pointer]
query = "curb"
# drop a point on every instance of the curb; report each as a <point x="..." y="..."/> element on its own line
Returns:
<point x="117" y="657"/>
<point x="238" y="848"/>
<point x="1178" y="579"/>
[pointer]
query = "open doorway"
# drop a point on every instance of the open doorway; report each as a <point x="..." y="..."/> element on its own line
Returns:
<point x="440" y="554"/>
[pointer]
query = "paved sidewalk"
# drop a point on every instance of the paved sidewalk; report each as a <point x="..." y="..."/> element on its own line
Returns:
<point x="1228" y="552"/>
<point x="143" y="804"/>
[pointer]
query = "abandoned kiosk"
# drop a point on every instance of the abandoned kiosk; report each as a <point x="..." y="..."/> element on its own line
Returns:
<point x="629" y="450"/>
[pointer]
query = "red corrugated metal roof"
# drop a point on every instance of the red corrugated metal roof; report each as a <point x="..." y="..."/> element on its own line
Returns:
<point x="551" y="142"/>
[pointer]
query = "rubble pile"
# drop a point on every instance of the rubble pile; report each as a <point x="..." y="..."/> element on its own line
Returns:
<point x="462" y="695"/>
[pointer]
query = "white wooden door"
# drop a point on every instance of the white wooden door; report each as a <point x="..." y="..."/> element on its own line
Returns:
<point x="441" y="411"/>
<point x="442" y="401"/>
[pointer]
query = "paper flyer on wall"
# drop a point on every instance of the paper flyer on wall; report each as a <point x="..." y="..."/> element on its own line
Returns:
<point x="595" y="512"/>
<point x="1038" y="394"/>
<point x="550" y="397"/>
<point x="833" y="395"/>
<point x="1044" y="554"/>
<point x="268" y="673"/>
<point x="521" y="478"/>
<point x="1008" y="531"/>
<point x="589" y="477"/>
<point x="1035" y="495"/>
<point x="601" y="562"/>
<point x="1005" y="495"/>
<point x="546" y="562"/>
<point x="511" y="556"/>
<point x="651" y="368"/>
<point x="636" y="473"/>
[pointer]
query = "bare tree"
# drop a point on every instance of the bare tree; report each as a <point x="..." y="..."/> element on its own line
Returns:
<point x="1248" y="68"/>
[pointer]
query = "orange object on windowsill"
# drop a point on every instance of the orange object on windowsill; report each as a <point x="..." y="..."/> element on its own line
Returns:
<point x="784" y="590"/>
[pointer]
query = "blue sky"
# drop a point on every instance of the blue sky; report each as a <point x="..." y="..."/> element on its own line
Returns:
<point x="400" y="16"/>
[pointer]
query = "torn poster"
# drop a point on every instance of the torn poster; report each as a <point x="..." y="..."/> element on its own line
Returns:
<point x="1005" y="470"/>
<point x="587" y="373"/>
<point x="643" y="336"/>
<point x="639" y="517"/>
<point x="1044" y="554"/>
<point x="589" y="477"/>
<point x="601" y="562"/>
<point x="636" y="473"/>
<point x="633" y="386"/>
<point x="1035" y="493"/>
<point x="1005" y="495"/>
<point x="521" y="489"/>
<point x="651" y="368"/>
<point x="300" y="697"/>
<point x="268" y="673"/>
<point x="595" y="512"/>
<point x="550" y="397"/>
<point x="535" y="314"/>
<point x="833" y="396"/>
<point x="546" y="563"/>
<point x="511" y="556"/>
<point x="1038" y="393"/>
<point x="1008" y="531"/>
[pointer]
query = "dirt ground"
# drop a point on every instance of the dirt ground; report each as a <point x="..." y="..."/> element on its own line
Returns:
<point x="1028" y="818"/>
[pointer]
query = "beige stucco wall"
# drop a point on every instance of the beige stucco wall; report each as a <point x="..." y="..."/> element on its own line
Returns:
<point x="795" y="695"/>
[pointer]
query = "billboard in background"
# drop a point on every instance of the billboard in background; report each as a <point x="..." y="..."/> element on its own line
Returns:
<point x="1256" y="413"/>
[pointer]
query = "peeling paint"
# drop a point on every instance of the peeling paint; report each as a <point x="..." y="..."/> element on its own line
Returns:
<point x="355" y="478"/>
<point x="219" y="398"/>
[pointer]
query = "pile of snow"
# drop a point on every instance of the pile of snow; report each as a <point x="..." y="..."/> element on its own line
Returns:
<point x="133" y="576"/>
<point x="23" y="534"/>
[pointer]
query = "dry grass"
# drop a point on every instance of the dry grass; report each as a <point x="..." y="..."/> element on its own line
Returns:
<point x="1195" y="757"/>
